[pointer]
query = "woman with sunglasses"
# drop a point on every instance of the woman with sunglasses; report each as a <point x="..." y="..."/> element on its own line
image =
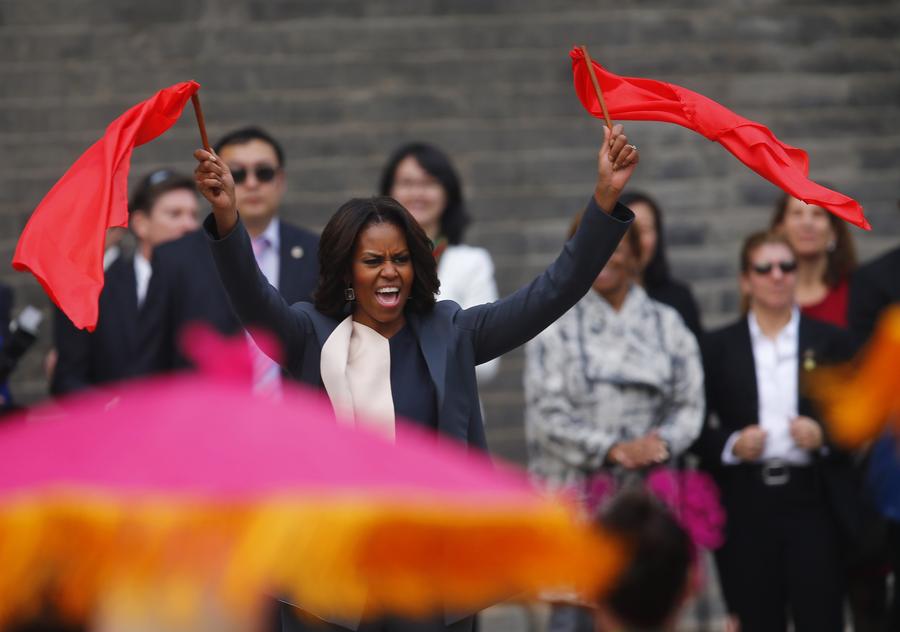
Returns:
<point x="422" y="178"/>
<point x="375" y="338"/>
<point x="786" y="492"/>
<point x="825" y="258"/>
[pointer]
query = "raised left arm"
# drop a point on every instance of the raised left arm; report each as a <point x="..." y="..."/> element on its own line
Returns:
<point x="512" y="321"/>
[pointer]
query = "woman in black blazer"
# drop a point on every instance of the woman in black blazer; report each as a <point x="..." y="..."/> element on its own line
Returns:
<point x="375" y="338"/>
<point x="787" y="493"/>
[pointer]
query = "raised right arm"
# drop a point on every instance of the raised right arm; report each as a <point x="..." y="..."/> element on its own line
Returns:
<point x="257" y="304"/>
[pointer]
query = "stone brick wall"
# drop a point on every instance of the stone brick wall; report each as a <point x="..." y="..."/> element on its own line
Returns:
<point x="342" y="82"/>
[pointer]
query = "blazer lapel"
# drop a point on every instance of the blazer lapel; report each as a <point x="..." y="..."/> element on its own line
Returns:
<point x="333" y="369"/>
<point x="123" y="295"/>
<point x="806" y="362"/>
<point x="292" y="259"/>
<point x="434" y="347"/>
<point x="745" y="367"/>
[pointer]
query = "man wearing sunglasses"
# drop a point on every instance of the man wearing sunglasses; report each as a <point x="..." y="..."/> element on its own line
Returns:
<point x="287" y="254"/>
<point x="788" y="494"/>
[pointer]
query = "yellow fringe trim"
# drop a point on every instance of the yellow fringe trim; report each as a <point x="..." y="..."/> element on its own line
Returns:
<point x="89" y="552"/>
<point x="859" y="398"/>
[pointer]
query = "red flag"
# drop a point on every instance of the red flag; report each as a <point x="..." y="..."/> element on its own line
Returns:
<point x="635" y="99"/>
<point x="62" y="244"/>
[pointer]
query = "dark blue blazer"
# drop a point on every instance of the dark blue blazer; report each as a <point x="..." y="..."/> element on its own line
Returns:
<point x="453" y="340"/>
<point x="186" y="289"/>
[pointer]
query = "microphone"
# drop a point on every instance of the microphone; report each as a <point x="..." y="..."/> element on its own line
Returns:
<point x="23" y="333"/>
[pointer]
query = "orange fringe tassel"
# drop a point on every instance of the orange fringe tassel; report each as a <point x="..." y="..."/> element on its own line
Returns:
<point x="168" y="558"/>
<point x="861" y="398"/>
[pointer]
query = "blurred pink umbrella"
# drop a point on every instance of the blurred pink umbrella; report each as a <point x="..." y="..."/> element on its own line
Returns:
<point x="185" y="488"/>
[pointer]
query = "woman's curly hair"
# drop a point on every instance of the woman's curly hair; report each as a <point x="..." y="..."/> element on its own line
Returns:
<point x="337" y="246"/>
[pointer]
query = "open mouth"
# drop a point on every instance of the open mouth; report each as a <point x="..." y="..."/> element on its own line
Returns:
<point x="388" y="296"/>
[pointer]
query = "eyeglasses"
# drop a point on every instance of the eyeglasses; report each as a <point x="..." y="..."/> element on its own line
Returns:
<point x="263" y="173"/>
<point x="763" y="269"/>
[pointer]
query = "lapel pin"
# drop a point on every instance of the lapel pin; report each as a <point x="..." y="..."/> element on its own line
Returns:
<point x="296" y="252"/>
<point x="809" y="360"/>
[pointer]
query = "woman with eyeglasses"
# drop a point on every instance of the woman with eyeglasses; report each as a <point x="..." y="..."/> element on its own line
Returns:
<point x="825" y="258"/>
<point x="422" y="178"/>
<point x="787" y="493"/>
<point x="375" y="338"/>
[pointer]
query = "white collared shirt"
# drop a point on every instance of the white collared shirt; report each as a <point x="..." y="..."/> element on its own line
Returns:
<point x="269" y="261"/>
<point x="142" y="273"/>
<point x="776" y="363"/>
<point x="110" y="255"/>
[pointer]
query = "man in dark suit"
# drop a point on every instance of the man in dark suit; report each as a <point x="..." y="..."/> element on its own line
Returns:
<point x="163" y="207"/>
<point x="185" y="277"/>
<point x="787" y="493"/>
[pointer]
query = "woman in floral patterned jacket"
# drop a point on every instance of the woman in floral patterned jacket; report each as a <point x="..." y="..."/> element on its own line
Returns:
<point x="615" y="385"/>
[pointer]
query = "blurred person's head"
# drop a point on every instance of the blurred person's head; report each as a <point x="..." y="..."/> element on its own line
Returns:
<point x="654" y="583"/>
<point x="649" y="224"/>
<point x="815" y="233"/>
<point x="163" y="207"/>
<point x="768" y="273"/>
<point x="256" y="161"/>
<point x="622" y="270"/>
<point x="422" y="178"/>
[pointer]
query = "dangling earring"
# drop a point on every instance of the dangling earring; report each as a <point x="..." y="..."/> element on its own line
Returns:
<point x="349" y="295"/>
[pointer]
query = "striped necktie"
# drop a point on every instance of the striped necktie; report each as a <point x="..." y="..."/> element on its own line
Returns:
<point x="266" y="372"/>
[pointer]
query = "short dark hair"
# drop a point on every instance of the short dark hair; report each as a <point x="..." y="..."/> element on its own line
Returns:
<point x="455" y="218"/>
<point x="245" y="135"/>
<point x="842" y="260"/>
<point x="154" y="185"/>
<point x="338" y="244"/>
<point x="751" y="243"/>
<point x="647" y="592"/>
<point x="757" y="239"/>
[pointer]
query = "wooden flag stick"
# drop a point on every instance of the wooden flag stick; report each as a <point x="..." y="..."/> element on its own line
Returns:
<point x="195" y="100"/>
<point x="590" y="67"/>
